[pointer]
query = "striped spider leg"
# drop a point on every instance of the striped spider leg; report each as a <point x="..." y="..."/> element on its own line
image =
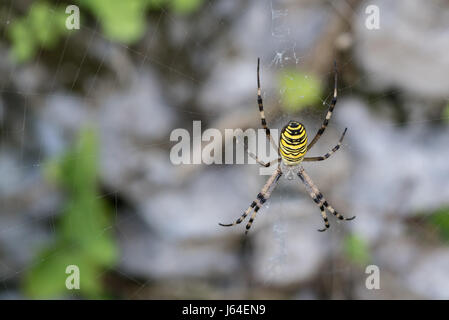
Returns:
<point x="262" y="197"/>
<point x="262" y="112"/>
<point x="327" y="155"/>
<point x="319" y="199"/>
<point x="260" y="162"/>
<point x="264" y="124"/>
<point x="329" y="112"/>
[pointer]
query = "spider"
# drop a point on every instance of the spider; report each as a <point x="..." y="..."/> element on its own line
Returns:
<point x="291" y="152"/>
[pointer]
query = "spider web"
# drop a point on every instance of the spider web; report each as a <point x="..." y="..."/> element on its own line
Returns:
<point x="281" y="49"/>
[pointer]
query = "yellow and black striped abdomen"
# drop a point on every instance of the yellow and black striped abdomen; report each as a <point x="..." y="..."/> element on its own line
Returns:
<point x="293" y="143"/>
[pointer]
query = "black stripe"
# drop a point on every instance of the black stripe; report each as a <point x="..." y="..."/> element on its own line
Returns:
<point x="290" y="150"/>
<point x="292" y="140"/>
<point x="295" y="132"/>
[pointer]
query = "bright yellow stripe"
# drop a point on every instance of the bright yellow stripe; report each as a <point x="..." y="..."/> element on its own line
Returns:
<point x="296" y="144"/>
<point x="293" y="146"/>
<point x="288" y="135"/>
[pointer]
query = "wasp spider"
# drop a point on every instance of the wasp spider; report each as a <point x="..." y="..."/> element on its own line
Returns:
<point x="291" y="152"/>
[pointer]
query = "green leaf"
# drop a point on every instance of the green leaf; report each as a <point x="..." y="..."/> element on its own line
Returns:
<point x="356" y="249"/>
<point x="23" y="42"/>
<point x="103" y="250"/>
<point x="185" y="6"/>
<point x="84" y="233"/>
<point x="122" y="21"/>
<point x="446" y="113"/>
<point x="41" y="27"/>
<point x="47" y="23"/>
<point x="299" y="90"/>
<point x="46" y="278"/>
<point x="440" y="219"/>
<point x="156" y="4"/>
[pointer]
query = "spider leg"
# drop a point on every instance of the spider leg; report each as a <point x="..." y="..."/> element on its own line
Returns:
<point x="318" y="197"/>
<point x="262" y="112"/>
<point x="242" y="217"/>
<point x="263" y="164"/>
<point x="326" y="222"/>
<point x="327" y="155"/>
<point x="329" y="111"/>
<point x="263" y="196"/>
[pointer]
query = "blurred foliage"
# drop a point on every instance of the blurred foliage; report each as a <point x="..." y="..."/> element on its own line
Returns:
<point x="82" y="235"/>
<point x="446" y="113"/>
<point x="299" y="90"/>
<point x="356" y="249"/>
<point x="40" y="28"/>
<point x="122" y="21"/>
<point x="185" y="6"/>
<point x="440" y="219"/>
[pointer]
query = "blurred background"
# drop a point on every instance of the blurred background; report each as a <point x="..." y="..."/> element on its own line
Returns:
<point x="85" y="173"/>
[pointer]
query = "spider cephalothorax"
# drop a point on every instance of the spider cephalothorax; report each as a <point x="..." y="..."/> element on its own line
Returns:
<point x="292" y="150"/>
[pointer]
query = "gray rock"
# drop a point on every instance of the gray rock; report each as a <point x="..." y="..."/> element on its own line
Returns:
<point x="428" y="276"/>
<point x="194" y="210"/>
<point x="61" y="117"/>
<point x="234" y="79"/>
<point x="138" y="112"/>
<point x="148" y="255"/>
<point x="409" y="51"/>
<point x="289" y="250"/>
<point x="390" y="164"/>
